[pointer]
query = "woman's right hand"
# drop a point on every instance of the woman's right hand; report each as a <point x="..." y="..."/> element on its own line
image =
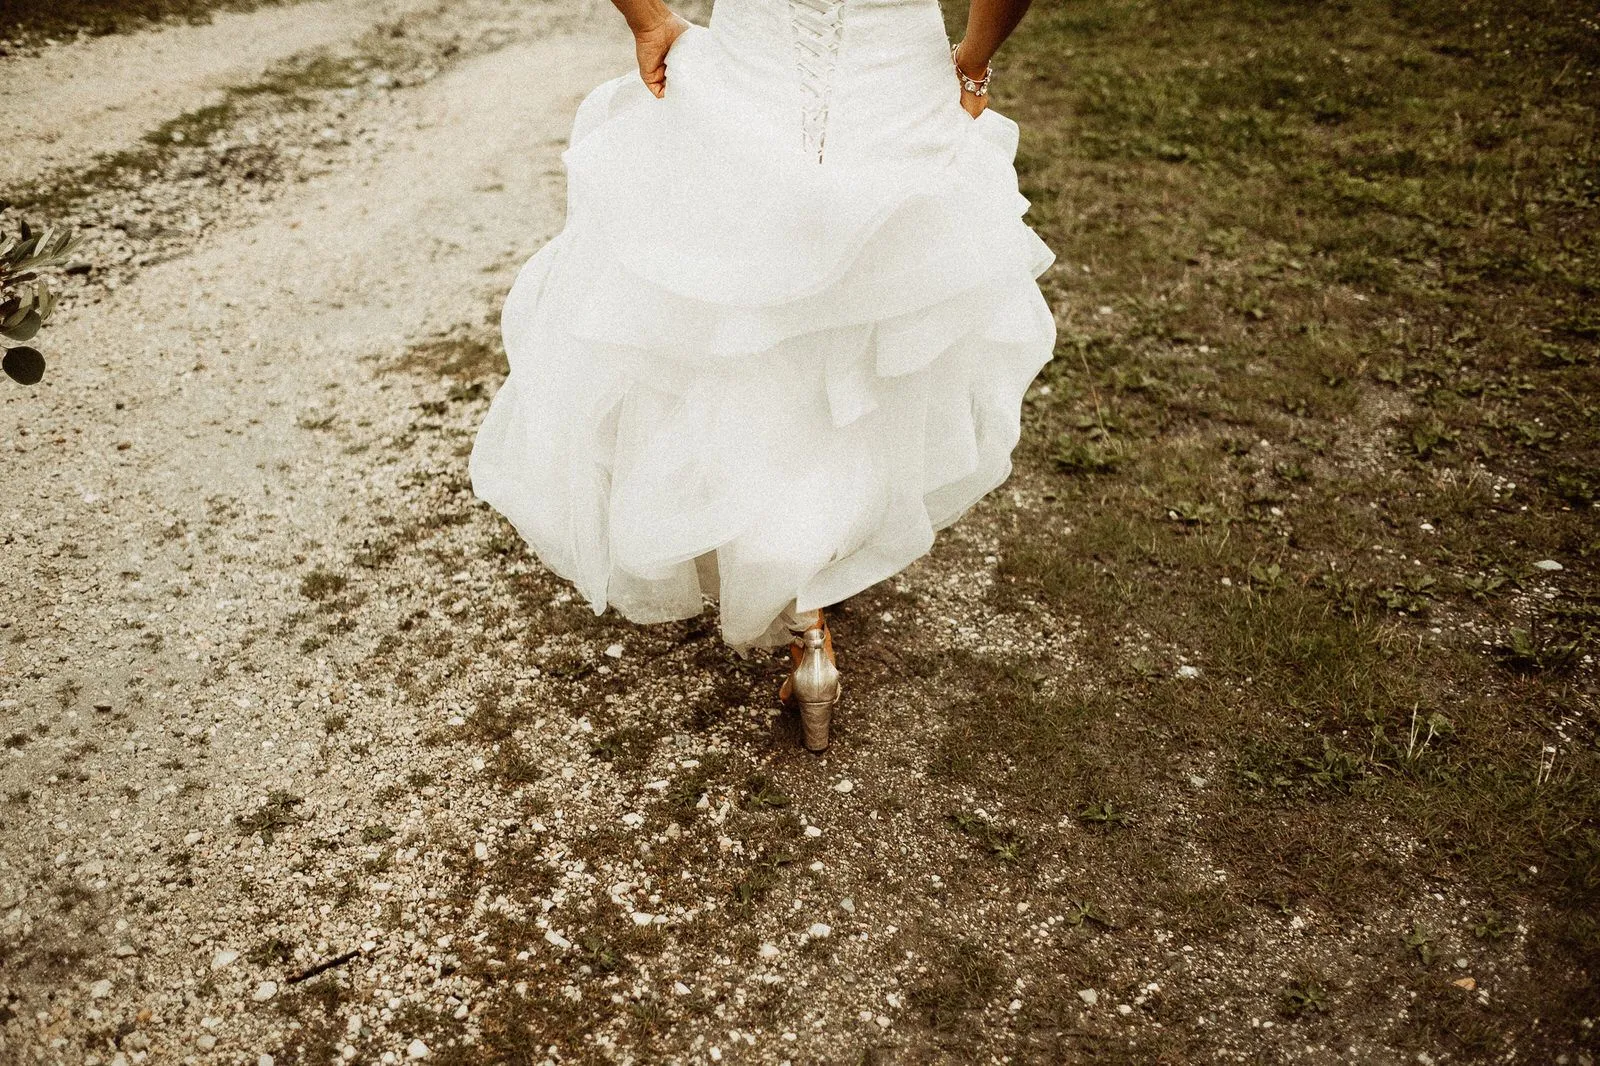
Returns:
<point x="652" y="45"/>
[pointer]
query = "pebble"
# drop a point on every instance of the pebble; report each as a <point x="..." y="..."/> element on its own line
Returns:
<point x="265" y="991"/>
<point x="417" y="1050"/>
<point x="100" y="989"/>
<point x="1089" y="996"/>
<point x="480" y="851"/>
<point x="264" y="1060"/>
<point x="1187" y="672"/>
<point x="614" y="651"/>
<point x="1548" y="564"/>
<point x="813" y="831"/>
<point x="769" y="951"/>
<point x="225" y="957"/>
<point x="557" y="939"/>
<point x="206" y="1042"/>
<point x="819" y="930"/>
<point x="844" y="785"/>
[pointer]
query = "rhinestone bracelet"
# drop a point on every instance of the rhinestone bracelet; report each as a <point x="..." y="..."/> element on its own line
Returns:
<point x="976" y="88"/>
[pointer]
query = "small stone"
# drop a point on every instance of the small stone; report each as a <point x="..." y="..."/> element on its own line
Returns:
<point x="225" y="957"/>
<point x="1467" y="983"/>
<point x="1123" y="1008"/>
<point x="614" y="651"/>
<point x="206" y="1042"/>
<point x="641" y="918"/>
<point x="847" y="905"/>
<point x="819" y="931"/>
<point x="124" y="951"/>
<point x="265" y="991"/>
<point x="557" y="939"/>
<point x="844" y="784"/>
<point x="1548" y="564"/>
<point x="480" y="851"/>
<point x="680" y="988"/>
<point x="813" y="831"/>
<point x="769" y="951"/>
<point x="416" y="1050"/>
<point x="100" y="989"/>
<point x="352" y="1025"/>
<point x="1089" y="996"/>
<point x="264" y="1060"/>
<point x="1187" y="672"/>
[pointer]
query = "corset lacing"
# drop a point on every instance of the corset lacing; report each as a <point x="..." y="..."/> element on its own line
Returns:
<point x="818" y="25"/>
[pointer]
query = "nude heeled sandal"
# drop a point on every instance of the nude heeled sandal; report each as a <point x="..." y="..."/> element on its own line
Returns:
<point x="816" y="689"/>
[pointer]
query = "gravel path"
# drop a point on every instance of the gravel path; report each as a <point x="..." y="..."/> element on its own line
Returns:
<point x="68" y="104"/>
<point x="209" y="431"/>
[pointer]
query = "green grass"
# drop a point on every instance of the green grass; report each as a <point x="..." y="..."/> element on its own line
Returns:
<point x="1349" y="251"/>
<point x="29" y="21"/>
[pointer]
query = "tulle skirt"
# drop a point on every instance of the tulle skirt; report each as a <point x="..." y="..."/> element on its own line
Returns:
<point x="781" y="360"/>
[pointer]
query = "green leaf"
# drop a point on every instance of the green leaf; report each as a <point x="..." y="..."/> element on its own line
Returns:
<point x="25" y="329"/>
<point x="23" y="365"/>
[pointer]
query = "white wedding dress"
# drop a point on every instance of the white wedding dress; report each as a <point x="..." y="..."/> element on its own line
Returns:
<point x="785" y="334"/>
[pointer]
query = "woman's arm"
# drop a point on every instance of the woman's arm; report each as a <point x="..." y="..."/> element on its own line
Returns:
<point x="989" y="23"/>
<point x="655" y="26"/>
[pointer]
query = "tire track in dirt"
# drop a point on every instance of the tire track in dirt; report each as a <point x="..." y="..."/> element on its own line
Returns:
<point x="78" y="100"/>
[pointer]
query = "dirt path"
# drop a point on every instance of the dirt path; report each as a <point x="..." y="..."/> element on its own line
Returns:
<point x="218" y="421"/>
<point x="68" y="104"/>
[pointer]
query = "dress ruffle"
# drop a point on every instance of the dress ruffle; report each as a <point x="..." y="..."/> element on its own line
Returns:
<point x="807" y="369"/>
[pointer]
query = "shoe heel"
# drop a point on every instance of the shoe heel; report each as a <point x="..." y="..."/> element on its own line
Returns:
<point x="816" y="689"/>
<point x="815" y="720"/>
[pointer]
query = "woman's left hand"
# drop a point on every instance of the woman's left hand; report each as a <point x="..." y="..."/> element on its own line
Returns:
<point x="652" y="46"/>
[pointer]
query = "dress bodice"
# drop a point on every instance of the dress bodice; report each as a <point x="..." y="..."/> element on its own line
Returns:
<point x="847" y="77"/>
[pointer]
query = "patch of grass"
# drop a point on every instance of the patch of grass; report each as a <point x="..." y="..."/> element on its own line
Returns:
<point x="278" y="812"/>
<point x="322" y="584"/>
<point x="468" y="355"/>
<point x="1343" y="400"/>
<point x="962" y="977"/>
<point x="30" y="21"/>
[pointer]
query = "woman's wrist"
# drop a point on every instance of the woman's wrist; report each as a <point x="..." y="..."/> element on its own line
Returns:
<point x="646" y="16"/>
<point x="975" y="84"/>
<point x="969" y="64"/>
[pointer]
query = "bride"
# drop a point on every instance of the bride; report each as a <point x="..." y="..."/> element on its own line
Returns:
<point x="785" y="334"/>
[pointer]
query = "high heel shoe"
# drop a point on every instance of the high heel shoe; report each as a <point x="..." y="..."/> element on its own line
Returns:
<point x="815" y="687"/>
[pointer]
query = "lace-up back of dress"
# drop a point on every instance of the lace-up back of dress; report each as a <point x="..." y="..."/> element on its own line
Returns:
<point x="818" y="27"/>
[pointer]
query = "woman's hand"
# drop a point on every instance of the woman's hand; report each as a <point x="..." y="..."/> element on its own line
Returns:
<point x="652" y="44"/>
<point x="971" y="103"/>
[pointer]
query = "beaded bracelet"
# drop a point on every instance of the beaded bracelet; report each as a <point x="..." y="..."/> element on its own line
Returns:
<point x="976" y="88"/>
